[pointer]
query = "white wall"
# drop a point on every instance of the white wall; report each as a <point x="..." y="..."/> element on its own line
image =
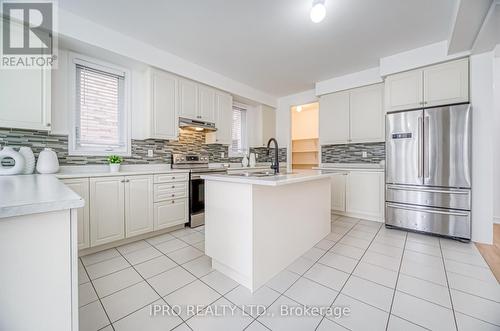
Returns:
<point x="357" y="79"/>
<point x="283" y="118"/>
<point x="496" y="137"/>
<point x="481" y="89"/>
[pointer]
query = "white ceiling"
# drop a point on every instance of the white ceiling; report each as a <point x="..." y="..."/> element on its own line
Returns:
<point x="271" y="44"/>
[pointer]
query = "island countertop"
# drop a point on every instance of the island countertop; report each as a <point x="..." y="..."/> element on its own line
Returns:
<point x="31" y="194"/>
<point x="275" y="180"/>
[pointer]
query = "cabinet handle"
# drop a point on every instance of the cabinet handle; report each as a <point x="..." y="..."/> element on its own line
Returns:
<point x="48" y="124"/>
<point x="173" y="177"/>
<point x="122" y="181"/>
<point x="173" y="186"/>
<point x="173" y="195"/>
<point x="173" y="201"/>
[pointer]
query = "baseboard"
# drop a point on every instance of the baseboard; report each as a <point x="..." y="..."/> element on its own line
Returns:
<point x="360" y="216"/>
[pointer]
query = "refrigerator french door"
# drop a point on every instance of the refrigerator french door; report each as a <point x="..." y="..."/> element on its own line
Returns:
<point x="428" y="178"/>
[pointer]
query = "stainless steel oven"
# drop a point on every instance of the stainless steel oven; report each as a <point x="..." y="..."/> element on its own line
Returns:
<point x="198" y="166"/>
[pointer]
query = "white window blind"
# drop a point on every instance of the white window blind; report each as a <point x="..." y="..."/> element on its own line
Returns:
<point x="238" y="145"/>
<point x="100" y="116"/>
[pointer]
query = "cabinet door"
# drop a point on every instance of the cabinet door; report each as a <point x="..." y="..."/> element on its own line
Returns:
<point x="367" y="114"/>
<point x="81" y="187"/>
<point x="138" y="205"/>
<point x="404" y="91"/>
<point x="188" y="99"/>
<point x="206" y="99"/>
<point x="169" y="213"/>
<point x="268" y="124"/>
<point x="338" y="192"/>
<point x="446" y="83"/>
<point x="334" y="118"/>
<point x="25" y="99"/>
<point x="365" y="195"/>
<point x="224" y="102"/>
<point x="107" y="218"/>
<point x="165" y="105"/>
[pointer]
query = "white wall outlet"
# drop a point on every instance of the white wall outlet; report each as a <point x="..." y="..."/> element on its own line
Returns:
<point x="365" y="154"/>
<point x="150" y="153"/>
<point x="222" y="154"/>
<point x="256" y="156"/>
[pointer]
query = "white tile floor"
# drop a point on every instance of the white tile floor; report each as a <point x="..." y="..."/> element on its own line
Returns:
<point x="390" y="280"/>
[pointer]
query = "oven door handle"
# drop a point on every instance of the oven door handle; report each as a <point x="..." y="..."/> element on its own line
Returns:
<point x="195" y="176"/>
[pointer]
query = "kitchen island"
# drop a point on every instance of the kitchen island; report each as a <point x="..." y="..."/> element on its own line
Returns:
<point x="257" y="224"/>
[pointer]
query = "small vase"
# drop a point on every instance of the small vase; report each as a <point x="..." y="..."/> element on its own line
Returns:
<point x="17" y="168"/>
<point x="252" y="161"/>
<point x="114" y="167"/>
<point x="47" y="162"/>
<point x="29" y="160"/>
<point x="244" y="162"/>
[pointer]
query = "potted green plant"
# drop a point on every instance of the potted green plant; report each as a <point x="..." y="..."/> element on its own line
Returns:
<point x="114" y="163"/>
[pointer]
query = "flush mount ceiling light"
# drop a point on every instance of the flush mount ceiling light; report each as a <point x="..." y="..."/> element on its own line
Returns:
<point x="299" y="109"/>
<point x="318" y="11"/>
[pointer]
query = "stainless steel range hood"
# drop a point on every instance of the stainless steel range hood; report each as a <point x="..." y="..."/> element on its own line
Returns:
<point x="196" y="124"/>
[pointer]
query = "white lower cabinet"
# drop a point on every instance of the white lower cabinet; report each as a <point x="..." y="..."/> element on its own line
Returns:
<point x="359" y="194"/>
<point x="138" y="205"/>
<point x="169" y="213"/>
<point x="81" y="187"/>
<point x="107" y="214"/>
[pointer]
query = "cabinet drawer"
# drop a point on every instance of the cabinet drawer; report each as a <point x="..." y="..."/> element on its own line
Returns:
<point x="168" y="191"/>
<point x="170" y="213"/>
<point x="175" y="177"/>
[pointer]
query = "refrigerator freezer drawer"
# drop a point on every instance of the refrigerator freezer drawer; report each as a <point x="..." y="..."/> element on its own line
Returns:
<point x="444" y="222"/>
<point x="429" y="196"/>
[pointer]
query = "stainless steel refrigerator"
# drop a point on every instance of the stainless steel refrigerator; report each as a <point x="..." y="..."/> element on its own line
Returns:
<point x="428" y="170"/>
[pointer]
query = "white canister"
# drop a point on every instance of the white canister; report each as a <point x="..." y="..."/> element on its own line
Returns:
<point x="47" y="162"/>
<point x="244" y="162"/>
<point x="253" y="162"/>
<point x="17" y="168"/>
<point x="29" y="160"/>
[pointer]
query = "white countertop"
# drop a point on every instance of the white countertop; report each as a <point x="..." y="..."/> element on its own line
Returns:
<point x="31" y="194"/>
<point x="283" y="179"/>
<point x="351" y="166"/>
<point x="125" y="170"/>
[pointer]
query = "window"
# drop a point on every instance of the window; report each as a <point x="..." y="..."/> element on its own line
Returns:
<point x="100" y="117"/>
<point x="239" y="131"/>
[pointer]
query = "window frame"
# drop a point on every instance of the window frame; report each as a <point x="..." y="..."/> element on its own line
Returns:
<point x="93" y="63"/>
<point x="244" y="135"/>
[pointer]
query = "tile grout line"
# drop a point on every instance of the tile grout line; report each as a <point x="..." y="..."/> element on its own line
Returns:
<point x="98" y="298"/>
<point x="448" y="286"/>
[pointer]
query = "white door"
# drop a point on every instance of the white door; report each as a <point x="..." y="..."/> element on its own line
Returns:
<point x="224" y="123"/>
<point x="446" y="83"/>
<point x="334" y="118"/>
<point x="81" y="187"/>
<point x="169" y="213"/>
<point x="404" y="91"/>
<point x="206" y="98"/>
<point x="365" y="195"/>
<point x="367" y="114"/>
<point x="188" y="99"/>
<point x="107" y="217"/>
<point x="25" y="99"/>
<point x="138" y="205"/>
<point x="338" y="192"/>
<point x="165" y="104"/>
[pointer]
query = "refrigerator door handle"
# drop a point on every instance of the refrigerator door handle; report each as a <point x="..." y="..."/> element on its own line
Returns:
<point x="432" y="211"/>
<point x="426" y="148"/>
<point x="420" y="147"/>
<point x="426" y="190"/>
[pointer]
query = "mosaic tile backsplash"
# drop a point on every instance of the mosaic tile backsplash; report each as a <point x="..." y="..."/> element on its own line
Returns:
<point x="189" y="142"/>
<point x="353" y="153"/>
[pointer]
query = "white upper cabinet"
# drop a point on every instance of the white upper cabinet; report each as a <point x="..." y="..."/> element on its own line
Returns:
<point x="206" y="99"/>
<point x="446" y="83"/>
<point x="138" y="205"/>
<point x="437" y="85"/>
<point x="404" y="91"/>
<point x="367" y="114"/>
<point x="334" y="118"/>
<point x="164" y="105"/>
<point x="224" y="102"/>
<point x="25" y="99"/>
<point x="188" y="99"/>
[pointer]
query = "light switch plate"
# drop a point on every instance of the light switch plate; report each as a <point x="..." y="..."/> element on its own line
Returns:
<point x="150" y="153"/>
<point x="222" y="154"/>
<point x="365" y="154"/>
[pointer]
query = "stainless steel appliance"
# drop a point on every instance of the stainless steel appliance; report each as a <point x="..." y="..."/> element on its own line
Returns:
<point x="198" y="166"/>
<point x="428" y="177"/>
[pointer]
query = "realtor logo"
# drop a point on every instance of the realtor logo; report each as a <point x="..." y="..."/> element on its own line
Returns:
<point x="27" y="35"/>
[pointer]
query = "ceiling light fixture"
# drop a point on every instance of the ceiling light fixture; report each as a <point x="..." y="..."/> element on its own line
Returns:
<point x="299" y="109"/>
<point x="318" y="11"/>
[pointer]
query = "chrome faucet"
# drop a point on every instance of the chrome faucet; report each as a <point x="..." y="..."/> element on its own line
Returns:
<point x="276" y="165"/>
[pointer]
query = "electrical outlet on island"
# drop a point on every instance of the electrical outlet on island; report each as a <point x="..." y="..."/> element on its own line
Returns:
<point x="150" y="153"/>
<point x="365" y="154"/>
